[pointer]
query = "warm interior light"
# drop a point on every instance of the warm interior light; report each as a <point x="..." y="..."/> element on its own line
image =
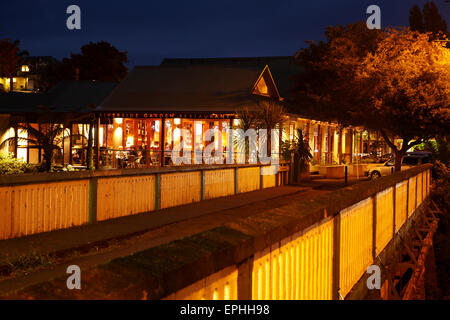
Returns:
<point x="101" y="137"/>
<point x="25" y="68"/>
<point x="177" y="120"/>
<point x="236" y="122"/>
<point x="130" y="141"/>
<point x="118" y="120"/>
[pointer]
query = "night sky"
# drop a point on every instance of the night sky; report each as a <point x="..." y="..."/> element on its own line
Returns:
<point x="152" y="30"/>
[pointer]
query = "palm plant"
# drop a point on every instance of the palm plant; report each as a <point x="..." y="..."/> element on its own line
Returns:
<point x="301" y="150"/>
<point x="247" y="120"/>
<point x="270" y="115"/>
<point x="48" y="137"/>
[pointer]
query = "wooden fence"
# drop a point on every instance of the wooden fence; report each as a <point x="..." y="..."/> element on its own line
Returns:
<point x="31" y="204"/>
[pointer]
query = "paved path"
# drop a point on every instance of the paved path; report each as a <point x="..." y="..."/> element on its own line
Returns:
<point x="143" y="231"/>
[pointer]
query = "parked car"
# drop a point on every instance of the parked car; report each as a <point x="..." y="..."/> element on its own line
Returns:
<point x="409" y="160"/>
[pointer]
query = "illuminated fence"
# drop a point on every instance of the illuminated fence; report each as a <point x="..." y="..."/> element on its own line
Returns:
<point x="47" y="202"/>
<point x="315" y="249"/>
<point x="326" y="260"/>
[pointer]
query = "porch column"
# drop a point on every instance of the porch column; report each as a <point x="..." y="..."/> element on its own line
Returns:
<point x="16" y="140"/>
<point x="97" y="143"/>
<point x="163" y="138"/>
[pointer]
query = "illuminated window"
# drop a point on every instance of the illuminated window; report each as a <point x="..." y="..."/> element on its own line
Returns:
<point x="25" y="68"/>
<point x="261" y="87"/>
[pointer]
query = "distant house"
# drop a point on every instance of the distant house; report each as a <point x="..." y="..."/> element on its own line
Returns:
<point x="29" y="74"/>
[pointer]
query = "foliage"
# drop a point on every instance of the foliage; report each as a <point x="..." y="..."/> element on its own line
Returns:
<point x="270" y="115"/>
<point x="267" y="114"/>
<point x="48" y="136"/>
<point x="25" y="263"/>
<point x="395" y="82"/>
<point x="441" y="186"/>
<point x="301" y="150"/>
<point x="428" y="20"/>
<point x="98" y="61"/>
<point x="11" y="165"/>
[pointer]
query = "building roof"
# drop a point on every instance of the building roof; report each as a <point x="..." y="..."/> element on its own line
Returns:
<point x="187" y="88"/>
<point x="67" y="96"/>
<point x="283" y="68"/>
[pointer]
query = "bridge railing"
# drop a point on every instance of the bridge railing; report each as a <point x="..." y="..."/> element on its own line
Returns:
<point x="318" y="250"/>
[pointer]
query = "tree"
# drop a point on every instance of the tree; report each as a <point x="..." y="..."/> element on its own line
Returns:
<point x="98" y="61"/>
<point x="322" y="89"/>
<point x="409" y="92"/>
<point x="416" y="19"/>
<point x="10" y="56"/>
<point x="428" y="20"/>
<point x="432" y="20"/>
<point x="397" y="83"/>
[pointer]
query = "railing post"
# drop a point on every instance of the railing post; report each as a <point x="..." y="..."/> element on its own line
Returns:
<point x="93" y="189"/>
<point x="245" y="280"/>
<point x="260" y="177"/>
<point x="374" y="227"/>
<point x="236" y="189"/>
<point x="417" y="183"/>
<point x="335" y="283"/>
<point x="346" y="175"/>
<point x="394" y="193"/>
<point x="202" y="184"/>
<point x="157" y="191"/>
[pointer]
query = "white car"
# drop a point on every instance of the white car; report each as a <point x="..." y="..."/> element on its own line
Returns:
<point x="410" y="160"/>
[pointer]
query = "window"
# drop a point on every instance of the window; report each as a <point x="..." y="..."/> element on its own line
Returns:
<point x="25" y="68"/>
<point x="410" y="161"/>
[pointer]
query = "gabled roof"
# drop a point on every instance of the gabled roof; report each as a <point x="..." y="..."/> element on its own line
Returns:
<point x="282" y="68"/>
<point x="184" y="88"/>
<point x="79" y="96"/>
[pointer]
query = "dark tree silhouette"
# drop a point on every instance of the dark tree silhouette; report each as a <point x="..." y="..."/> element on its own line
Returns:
<point x="416" y="19"/>
<point x="98" y="61"/>
<point x="428" y="20"/>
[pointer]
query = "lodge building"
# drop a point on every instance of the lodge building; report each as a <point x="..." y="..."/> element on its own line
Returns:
<point x="137" y="122"/>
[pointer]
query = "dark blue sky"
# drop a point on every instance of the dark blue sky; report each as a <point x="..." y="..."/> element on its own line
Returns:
<point x="151" y="30"/>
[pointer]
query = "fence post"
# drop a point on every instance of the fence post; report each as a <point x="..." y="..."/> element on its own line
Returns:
<point x="245" y="279"/>
<point x="157" y="191"/>
<point x="374" y="227"/>
<point x="202" y="184"/>
<point x="346" y="175"/>
<point x="236" y="190"/>
<point x="335" y="282"/>
<point x="394" y="194"/>
<point x="93" y="190"/>
<point x="260" y="178"/>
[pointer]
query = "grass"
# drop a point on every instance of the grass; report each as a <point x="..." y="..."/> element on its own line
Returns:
<point x="25" y="263"/>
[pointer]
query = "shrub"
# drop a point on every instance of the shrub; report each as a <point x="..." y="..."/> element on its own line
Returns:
<point x="441" y="186"/>
<point x="11" y="165"/>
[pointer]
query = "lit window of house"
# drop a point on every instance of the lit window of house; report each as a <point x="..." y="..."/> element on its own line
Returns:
<point x="25" y="68"/>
